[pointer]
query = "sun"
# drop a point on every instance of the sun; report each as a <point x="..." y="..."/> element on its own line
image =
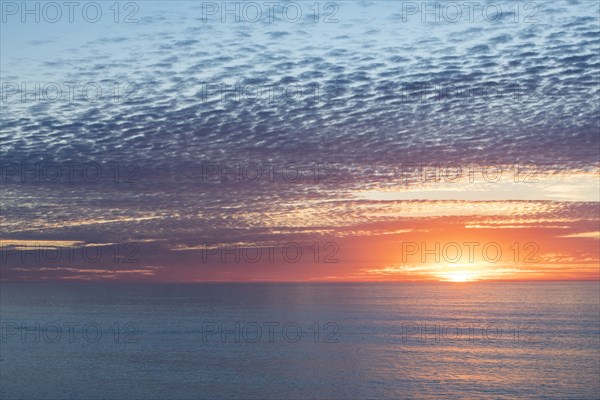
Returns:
<point x="459" y="276"/>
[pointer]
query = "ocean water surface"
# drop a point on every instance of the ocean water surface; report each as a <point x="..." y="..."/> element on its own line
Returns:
<point x="300" y="341"/>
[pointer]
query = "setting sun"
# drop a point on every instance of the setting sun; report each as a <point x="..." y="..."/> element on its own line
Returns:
<point x="459" y="276"/>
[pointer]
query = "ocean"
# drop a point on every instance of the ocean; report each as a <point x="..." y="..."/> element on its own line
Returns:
<point x="474" y="340"/>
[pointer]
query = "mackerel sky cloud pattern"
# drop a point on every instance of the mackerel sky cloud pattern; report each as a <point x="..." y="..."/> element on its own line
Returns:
<point x="335" y="111"/>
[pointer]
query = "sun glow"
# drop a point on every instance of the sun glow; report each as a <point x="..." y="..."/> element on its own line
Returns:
<point x="459" y="276"/>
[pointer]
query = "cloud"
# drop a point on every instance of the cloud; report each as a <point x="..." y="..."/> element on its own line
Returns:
<point x="162" y="99"/>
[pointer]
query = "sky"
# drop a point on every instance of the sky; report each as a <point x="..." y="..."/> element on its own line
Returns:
<point x="311" y="141"/>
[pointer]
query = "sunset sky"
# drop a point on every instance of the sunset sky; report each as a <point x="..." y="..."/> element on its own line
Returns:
<point x="378" y="145"/>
